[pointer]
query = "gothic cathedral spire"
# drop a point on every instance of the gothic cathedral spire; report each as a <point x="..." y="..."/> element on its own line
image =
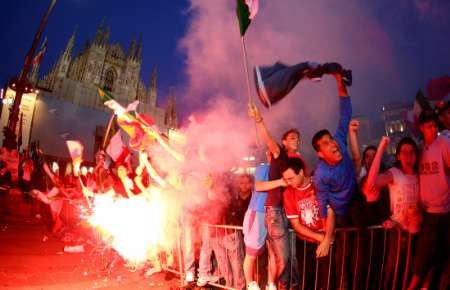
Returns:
<point x="138" y="55"/>
<point x="152" y="90"/>
<point x="170" y="116"/>
<point x="132" y="49"/>
<point x="67" y="55"/>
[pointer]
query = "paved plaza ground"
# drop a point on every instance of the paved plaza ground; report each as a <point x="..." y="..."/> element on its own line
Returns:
<point x="30" y="258"/>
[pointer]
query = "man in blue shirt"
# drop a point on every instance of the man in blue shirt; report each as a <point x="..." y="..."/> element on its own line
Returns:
<point x="335" y="179"/>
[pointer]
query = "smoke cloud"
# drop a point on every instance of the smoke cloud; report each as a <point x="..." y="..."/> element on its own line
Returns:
<point x="355" y="34"/>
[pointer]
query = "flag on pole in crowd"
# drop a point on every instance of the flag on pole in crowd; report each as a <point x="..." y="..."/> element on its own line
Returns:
<point x="38" y="57"/>
<point x="116" y="149"/>
<point x="145" y="133"/>
<point x="420" y="104"/>
<point x="275" y="82"/>
<point x="246" y="11"/>
<point x="438" y="88"/>
<point x="76" y="154"/>
<point x="75" y="149"/>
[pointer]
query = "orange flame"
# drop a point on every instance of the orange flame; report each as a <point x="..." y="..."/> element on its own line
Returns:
<point x="136" y="227"/>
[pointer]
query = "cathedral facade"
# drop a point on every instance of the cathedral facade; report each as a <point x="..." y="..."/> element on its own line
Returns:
<point x="69" y="106"/>
<point x="74" y="78"/>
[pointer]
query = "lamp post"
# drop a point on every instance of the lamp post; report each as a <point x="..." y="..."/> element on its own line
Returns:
<point x="23" y="85"/>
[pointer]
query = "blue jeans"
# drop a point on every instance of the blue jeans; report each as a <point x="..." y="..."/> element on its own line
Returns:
<point x="278" y="243"/>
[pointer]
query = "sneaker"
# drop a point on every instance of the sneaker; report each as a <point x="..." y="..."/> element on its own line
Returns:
<point x="253" y="286"/>
<point x="189" y="277"/>
<point x="202" y="281"/>
<point x="271" y="286"/>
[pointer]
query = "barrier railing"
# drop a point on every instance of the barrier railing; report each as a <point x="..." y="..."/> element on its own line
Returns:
<point x="370" y="258"/>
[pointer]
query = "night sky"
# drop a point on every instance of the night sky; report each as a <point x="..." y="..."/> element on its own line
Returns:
<point x="393" y="47"/>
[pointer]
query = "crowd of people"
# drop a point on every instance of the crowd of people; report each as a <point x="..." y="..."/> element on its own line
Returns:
<point x="346" y="189"/>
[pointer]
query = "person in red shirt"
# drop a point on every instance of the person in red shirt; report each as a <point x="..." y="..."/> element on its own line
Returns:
<point x="302" y="209"/>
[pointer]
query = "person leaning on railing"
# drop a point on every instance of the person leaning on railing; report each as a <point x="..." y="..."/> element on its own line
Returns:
<point x="403" y="183"/>
<point x="302" y="209"/>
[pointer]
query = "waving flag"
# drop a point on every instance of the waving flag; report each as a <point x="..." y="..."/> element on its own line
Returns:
<point x="75" y="149"/>
<point x="38" y="57"/>
<point x="275" y="82"/>
<point x="246" y="11"/>
<point x="116" y="149"/>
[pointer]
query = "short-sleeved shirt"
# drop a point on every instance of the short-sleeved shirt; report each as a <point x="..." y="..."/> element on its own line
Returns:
<point x="258" y="199"/>
<point x="236" y="211"/>
<point x="434" y="176"/>
<point x="302" y="204"/>
<point x="274" y="196"/>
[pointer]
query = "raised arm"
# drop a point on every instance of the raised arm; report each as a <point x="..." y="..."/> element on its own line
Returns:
<point x="269" y="185"/>
<point x="354" y="145"/>
<point x="376" y="180"/>
<point x="254" y="113"/>
<point x="345" y="110"/>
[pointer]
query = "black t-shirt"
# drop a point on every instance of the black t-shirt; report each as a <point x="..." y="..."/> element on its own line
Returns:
<point x="236" y="211"/>
<point x="274" y="196"/>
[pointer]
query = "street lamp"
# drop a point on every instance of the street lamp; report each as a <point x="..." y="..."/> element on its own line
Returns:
<point x="22" y="85"/>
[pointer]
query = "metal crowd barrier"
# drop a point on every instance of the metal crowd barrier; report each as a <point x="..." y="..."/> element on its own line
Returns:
<point x="371" y="258"/>
<point x="365" y="251"/>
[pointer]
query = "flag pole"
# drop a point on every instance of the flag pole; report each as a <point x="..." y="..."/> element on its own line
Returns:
<point x="247" y="77"/>
<point x="108" y="128"/>
<point x="245" y="59"/>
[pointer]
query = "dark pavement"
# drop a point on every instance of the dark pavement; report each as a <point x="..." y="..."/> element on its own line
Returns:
<point x="30" y="258"/>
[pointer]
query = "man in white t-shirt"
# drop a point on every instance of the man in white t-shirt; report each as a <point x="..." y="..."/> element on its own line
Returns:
<point x="433" y="248"/>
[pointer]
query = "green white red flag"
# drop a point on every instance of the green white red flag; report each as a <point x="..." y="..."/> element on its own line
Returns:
<point x="246" y="11"/>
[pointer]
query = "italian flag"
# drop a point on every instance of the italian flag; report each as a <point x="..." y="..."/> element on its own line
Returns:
<point x="246" y="11"/>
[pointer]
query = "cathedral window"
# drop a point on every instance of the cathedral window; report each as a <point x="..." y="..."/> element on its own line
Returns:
<point x="110" y="77"/>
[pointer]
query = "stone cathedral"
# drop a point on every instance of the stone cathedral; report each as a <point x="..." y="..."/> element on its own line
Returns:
<point x="70" y="106"/>
<point x="74" y="78"/>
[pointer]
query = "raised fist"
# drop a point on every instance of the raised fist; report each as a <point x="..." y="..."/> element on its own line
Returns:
<point x="354" y="126"/>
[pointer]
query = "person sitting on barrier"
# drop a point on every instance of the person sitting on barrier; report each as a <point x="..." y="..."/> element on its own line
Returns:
<point x="255" y="231"/>
<point x="278" y="242"/>
<point x="403" y="183"/>
<point x="302" y="210"/>
<point x="433" y="249"/>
